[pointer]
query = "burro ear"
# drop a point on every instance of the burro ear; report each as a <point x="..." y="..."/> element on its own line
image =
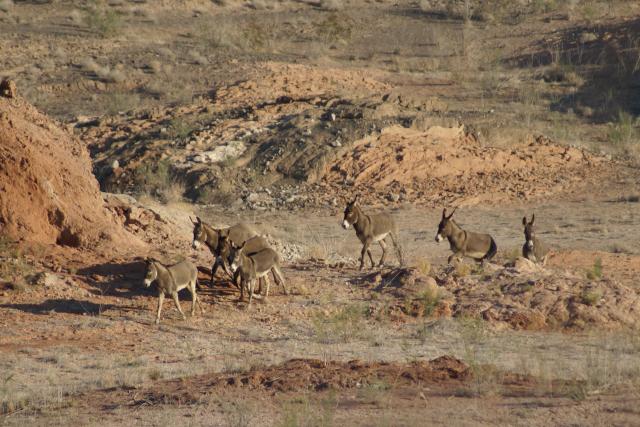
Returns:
<point x="192" y="220"/>
<point x="444" y="213"/>
<point x="452" y="212"/>
<point x="533" y="218"/>
<point x="356" y="198"/>
<point x="198" y="219"/>
<point x="524" y="221"/>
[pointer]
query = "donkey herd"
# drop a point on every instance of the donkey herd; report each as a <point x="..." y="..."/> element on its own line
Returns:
<point x="248" y="259"/>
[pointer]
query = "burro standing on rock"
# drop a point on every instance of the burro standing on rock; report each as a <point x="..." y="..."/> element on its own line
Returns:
<point x="172" y="279"/>
<point x="204" y="233"/>
<point x="533" y="249"/>
<point x="371" y="229"/>
<point x="478" y="246"/>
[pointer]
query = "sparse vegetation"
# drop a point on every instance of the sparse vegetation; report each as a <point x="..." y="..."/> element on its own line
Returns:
<point x="343" y="325"/>
<point x="179" y="128"/>
<point x="429" y="299"/>
<point x="302" y="411"/>
<point x="280" y="77"/>
<point x="595" y="273"/>
<point x="102" y="19"/>
<point x="158" y="180"/>
<point x="423" y="265"/>
<point x="624" y="131"/>
<point x="591" y="297"/>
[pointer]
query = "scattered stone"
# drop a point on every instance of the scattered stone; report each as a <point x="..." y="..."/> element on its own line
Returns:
<point x="8" y="89"/>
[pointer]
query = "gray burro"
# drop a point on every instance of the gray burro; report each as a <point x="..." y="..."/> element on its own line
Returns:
<point x="371" y="229"/>
<point x="204" y="233"/>
<point x="170" y="280"/>
<point x="478" y="246"/>
<point x="251" y="246"/>
<point x="533" y="249"/>
<point x="255" y="266"/>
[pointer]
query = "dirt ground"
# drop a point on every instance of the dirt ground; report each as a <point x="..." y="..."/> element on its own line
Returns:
<point x="277" y="113"/>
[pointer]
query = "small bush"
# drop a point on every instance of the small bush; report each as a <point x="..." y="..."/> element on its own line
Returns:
<point x="591" y="297"/>
<point x="596" y="271"/>
<point x="158" y="180"/>
<point x="179" y="128"/>
<point x="624" y="130"/>
<point x="106" y="22"/>
<point x="13" y="267"/>
<point x="423" y="266"/>
<point x="117" y="102"/>
<point x="334" y="28"/>
<point x="345" y="325"/>
<point x="461" y="269"/>
<point x="429" y="299"/>
<point x="222" y="194"/>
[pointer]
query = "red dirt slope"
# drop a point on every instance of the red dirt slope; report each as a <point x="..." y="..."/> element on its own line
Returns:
<point x="48" y="193"/>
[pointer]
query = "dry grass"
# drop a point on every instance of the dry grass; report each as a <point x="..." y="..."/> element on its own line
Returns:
<point x="102" y="20"/>
<point x="346" y="324"/>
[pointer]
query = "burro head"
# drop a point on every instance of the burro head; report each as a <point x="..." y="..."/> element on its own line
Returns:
<point x="152" y="272"/>
<point x="529" y="232"/>
<point x="235" y="254"/>
<point x="444" y="228"/>
<point x="199" y="236"/>
<point x="350" y="213"/>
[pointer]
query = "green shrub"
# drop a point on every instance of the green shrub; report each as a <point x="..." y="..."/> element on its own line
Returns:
<point x="596" y="271"/>
<point x="104" y="21"/>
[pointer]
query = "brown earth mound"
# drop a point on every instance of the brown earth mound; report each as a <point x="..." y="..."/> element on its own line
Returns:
<point x="273" y="81"/>
<point x="48" y="192"/>
<point x="298" y="375"/>
<point x="519" y="296"/>
<point x="452" y="166"/>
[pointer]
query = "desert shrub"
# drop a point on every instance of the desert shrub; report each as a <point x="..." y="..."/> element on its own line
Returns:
<point x="591" y="297"/>
<point x="429" y="300"/>
<point x="344" y="325"/>
<point x="624" y="130"/>
<point x="104" y="21"/>
<point x="222" y="193"/>
<point x="179" y="128"/>
<point x="462" y="269"/>
<point x="13" y="266"/>
<point x="158" y="180"/>
<point x="117" y="102"/>
<point x="595" y="272"/>
<point x="423" y="265"/>
<point x="300" y="411"/>
<point x="334" y="28"/>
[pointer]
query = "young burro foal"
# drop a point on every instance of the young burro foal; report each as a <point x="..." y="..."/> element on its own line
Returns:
<point x="371" y="229"/>
<point x="480" y="247"/>
<point x="251" y="246"/>
<point x="533" y="249"/>
<point x="170" y="280"/>
<point x="252" y="267"/>
<point x="204" y="233"/>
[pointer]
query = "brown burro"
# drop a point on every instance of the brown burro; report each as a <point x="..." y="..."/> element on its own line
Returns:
<point x="251" y="246"/>
<point x="204" y="233"/>
<point x="172" y="279"/>
<point x="371" y="229"/>
<point x="250" y="268"/>
<point x="478" y="246"/>
<point x="533" y="249"/>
